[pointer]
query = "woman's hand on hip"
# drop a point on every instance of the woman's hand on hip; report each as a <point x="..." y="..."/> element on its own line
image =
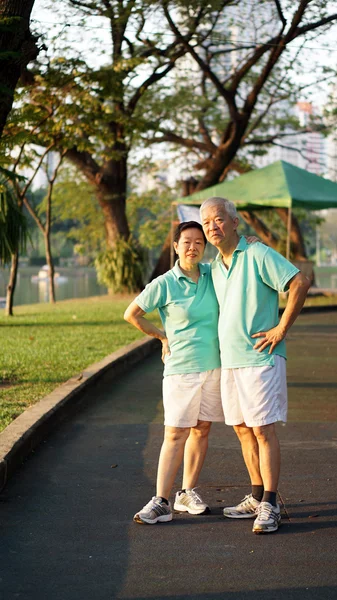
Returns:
<point x="165" y="351"/>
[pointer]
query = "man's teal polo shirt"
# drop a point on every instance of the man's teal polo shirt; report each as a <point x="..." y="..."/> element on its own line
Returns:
<point x="248" y="298"/>
<point x="189" y="312"/>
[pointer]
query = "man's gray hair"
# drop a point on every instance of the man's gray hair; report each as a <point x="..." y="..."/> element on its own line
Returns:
<point x="229" y="206"/>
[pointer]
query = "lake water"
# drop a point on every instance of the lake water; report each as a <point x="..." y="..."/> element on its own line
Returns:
<point x="78" y="282"/>
<point x="81" y="282"/>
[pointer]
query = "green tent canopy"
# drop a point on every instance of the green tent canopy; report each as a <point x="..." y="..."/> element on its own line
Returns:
<point x="279" y="185"/>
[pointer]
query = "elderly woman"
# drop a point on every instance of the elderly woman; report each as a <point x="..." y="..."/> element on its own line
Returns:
<point x="188" y="309"/>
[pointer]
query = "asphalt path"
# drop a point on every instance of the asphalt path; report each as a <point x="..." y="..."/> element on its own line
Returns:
<point x="66" y="516"/>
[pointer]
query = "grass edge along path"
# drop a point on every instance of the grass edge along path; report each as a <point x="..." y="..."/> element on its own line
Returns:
<point x="44" y="345"/>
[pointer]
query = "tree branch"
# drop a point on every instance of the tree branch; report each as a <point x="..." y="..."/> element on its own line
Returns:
<point x="154" y="77"/>
<point x="270" y="139"/>
<point x="280" y="13"/>
<point x="85" y="162"/>
<point x="33" y="214"/>
<point x="227" y="95"/>
<point x="313" y="26"/>
<point x="170" y="136"/>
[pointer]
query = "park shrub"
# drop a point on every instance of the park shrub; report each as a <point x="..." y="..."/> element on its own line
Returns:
<point x="121" y="268"/>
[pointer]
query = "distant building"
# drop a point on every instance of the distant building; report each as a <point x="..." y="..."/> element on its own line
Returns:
<point x="332" y="137"/>
<point x="305" y="150"/>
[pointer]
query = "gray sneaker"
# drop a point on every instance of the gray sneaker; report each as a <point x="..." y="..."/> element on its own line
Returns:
<point x="246" y="509"/>
<point x="191" y="502"/>
<point x="154" y="511"/>
<point x="268" y="518"/>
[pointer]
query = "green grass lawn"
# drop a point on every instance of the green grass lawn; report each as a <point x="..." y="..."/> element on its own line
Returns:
<point x="42" y="346"/>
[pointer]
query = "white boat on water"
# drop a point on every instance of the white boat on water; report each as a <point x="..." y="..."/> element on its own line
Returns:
<point x="43" y="275"/>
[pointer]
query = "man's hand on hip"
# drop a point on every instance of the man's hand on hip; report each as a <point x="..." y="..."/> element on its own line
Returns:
<point x="269" y="338"/>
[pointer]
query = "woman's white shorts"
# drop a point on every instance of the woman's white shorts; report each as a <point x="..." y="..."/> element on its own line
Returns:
<point x="255" y="395"/>
<point x="192" y="397"/>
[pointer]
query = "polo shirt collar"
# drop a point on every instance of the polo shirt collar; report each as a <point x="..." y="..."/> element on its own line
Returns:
<point x="180" y="275"/>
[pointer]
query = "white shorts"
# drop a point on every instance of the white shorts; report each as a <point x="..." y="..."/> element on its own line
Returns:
<point x="255" y="395"/>
<point x="192" y="397"/>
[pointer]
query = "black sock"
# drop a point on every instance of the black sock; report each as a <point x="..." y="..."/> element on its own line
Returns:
<point x="182" y="492"/>
<point x="163" y="500"/>
<point x="257" y="492"/>
<point x="270" y="497"/>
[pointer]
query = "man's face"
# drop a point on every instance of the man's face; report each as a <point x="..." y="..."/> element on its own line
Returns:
<point x="218" y="226"/>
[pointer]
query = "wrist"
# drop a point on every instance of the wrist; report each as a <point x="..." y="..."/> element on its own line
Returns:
<point x="283" y="329"/>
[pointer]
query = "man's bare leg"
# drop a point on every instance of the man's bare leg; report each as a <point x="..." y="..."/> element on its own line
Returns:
<point x="269" y="453"/>
<point x="250" y="452"/>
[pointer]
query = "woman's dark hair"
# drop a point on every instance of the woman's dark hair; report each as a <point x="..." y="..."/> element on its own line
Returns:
<point x="188" y="225"/>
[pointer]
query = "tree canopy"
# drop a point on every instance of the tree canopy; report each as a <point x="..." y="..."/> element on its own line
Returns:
<point x="213" y="80"/>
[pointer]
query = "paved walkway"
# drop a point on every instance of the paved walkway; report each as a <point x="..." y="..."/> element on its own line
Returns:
<point x="66" y="517"/>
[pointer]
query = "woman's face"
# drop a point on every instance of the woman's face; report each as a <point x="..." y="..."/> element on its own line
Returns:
<point x="191" y="246"/>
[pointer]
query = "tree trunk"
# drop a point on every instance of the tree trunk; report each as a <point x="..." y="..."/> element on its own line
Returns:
<point x="110" y="183"/>
<point x="266" y="235"/>
<point x="11" y="284"/>
<point x="164" y="260"/>
<point x="111" y="187"/>
<point x="296" y="238"/>
<point x="18" y="47"/>
<point x="51" y="271"/>
<point x="115" y="221"/>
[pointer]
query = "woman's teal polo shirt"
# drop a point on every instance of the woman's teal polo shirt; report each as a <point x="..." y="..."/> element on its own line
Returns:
<point x="189" y="312"/>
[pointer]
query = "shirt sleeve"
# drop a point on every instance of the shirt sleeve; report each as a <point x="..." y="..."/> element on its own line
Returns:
<point x="153" y="296"/>
<point x="276" y="271"/>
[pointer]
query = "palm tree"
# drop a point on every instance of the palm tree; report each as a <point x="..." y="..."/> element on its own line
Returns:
<point x="13" y="234"/>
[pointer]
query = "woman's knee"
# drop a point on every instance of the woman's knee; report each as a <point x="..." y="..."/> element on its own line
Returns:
<point x="176" y="435"/>
<point x="201" y="429"/>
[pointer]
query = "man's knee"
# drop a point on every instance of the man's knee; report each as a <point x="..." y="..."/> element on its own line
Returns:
<point x="242" y="431"/>
<point x="265" y="433"/>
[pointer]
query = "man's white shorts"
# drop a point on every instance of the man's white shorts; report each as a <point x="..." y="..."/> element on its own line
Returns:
<point x="192" y="397"/>
<point x="255" y="395"/>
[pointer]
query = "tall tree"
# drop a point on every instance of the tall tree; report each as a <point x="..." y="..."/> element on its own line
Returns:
<point x="98" y="117"/>
<point x="17" y="48"/>
<point x="13" y="235"/>
<point x="13" y="226"/>
<point x="247" y="70"/>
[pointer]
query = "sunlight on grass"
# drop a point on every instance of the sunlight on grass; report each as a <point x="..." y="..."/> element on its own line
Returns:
<point x="42" y="346"/>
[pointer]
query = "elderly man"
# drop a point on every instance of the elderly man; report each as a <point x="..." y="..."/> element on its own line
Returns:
<point x="247" y="279"/>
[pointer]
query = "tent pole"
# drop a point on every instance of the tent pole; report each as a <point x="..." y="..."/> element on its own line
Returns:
<point x="172" y="238"/>
<point x="288" y="233"/>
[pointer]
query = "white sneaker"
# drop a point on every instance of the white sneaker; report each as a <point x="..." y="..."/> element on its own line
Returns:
<point x="246" y="509"/>
<point x="154" y="511"/>
<point x="268" y="518"/>
<point x="190" y="502"/>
